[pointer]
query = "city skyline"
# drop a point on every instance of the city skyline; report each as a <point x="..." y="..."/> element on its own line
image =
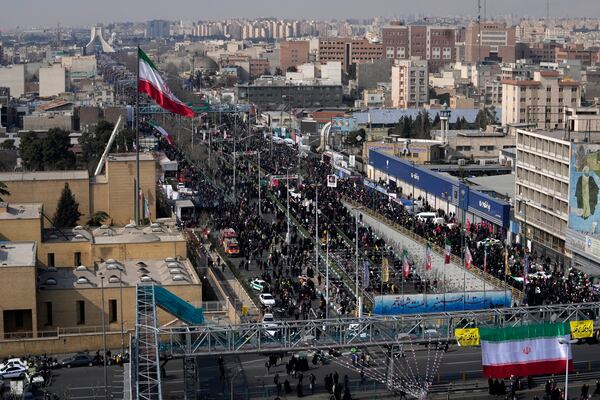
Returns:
<point x="31" y="13"/>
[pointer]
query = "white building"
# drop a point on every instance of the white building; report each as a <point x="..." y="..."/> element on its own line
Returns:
<point x="53" y="80"/>
<point x="13" y="77"/>
<point x="541" y="101"/>
<point x="410" y="87"/>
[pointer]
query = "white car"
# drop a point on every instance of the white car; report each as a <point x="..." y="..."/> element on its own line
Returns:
<point x="12" y="362"/>
<point x="13" y="371"/>
<point x="267" y="299"/>
<point x="489" y="242"/>
<point x="258" y="284"/>
<point x="269" y="324"/>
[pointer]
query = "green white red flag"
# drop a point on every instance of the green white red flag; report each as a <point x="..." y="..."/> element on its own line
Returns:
<point x="540" y="349"/>
<point x="405" y="265"/>
<point x="447" y="252"/>
<point x="151" y="83"/>
<point x="428" y="256"/>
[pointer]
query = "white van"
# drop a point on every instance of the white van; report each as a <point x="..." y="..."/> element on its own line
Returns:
<point x="426" y="216"/>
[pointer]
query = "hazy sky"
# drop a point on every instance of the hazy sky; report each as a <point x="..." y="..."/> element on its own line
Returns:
<point x="27" y="13"/>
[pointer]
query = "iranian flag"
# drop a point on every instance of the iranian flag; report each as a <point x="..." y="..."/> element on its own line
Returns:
<point x="163" y="132"/>
<point x="468" y="258"/>
<point x="541" y="349"/>
<point x="428" y="253"/>
<point x="151" y="83"/>
<point x="447" y="252"/>
<point x="405" y="265"/>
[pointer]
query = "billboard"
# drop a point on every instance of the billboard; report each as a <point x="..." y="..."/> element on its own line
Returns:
<point x="584" y="184"/>
<point x="432" y="303"/>
<point x="343" y="124"/>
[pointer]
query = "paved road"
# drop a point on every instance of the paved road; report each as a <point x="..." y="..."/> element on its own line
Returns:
<point x="87" y="383"/>
<point x="254" y="380"/>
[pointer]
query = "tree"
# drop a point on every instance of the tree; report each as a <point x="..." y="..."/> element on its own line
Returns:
<point x="67" y="211"/>
<point x="3" y="191"/>
<point x="98" y="218"/>
<point x="8" y="144"/>
<point x="437" y="121"/>
<point x="51" y="152"/>
<point x="93" y="143"/>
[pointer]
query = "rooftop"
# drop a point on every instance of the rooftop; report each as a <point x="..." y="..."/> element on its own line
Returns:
<point x="109" y="234"/>
<point x="20" y="211"/>
<point x="42" y="176"/>
<point x="380" y="116"/>
<point x="504" y="185"/>
<point x="123" y="157"/>
<point x="17" y="254"/>
<point x="561" y="134"/>
<point x="116" y="273"/>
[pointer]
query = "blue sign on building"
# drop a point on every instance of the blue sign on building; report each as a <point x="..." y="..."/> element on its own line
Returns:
<point x="443" y="187"/>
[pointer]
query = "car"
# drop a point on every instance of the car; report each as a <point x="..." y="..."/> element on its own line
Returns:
<point x="231" y="247"/>
<point x="267" y="299"/>
<point x="13" y="371"/>
<point x="488" y="242"/>
<point x="268" y="322"/>
<point x="258" y="284"/>
<point x="12" y="362"/>
<point x="78" y="360"/>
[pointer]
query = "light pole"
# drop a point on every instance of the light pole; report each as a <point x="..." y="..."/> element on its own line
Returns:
<point x="103" y="336"/>
<point x="234" y="162"/>
<point x="287" y="236"/>
<point x="327" y="275"/>
<point x="259" y="189"/>
<point x="122" y="316"/>
<point x="567" y="343"/>
<point x="231" y="383"/>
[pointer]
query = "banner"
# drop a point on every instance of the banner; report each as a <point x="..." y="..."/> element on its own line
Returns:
<point x="430" y="303"/>
<point x="365" y="273"/>
<point x="467" y="337"/>
<point x="331" y="181"/>
<point x="582" y="329"/>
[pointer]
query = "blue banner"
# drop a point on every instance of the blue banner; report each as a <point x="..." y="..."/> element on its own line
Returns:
<point x="431" y="303"/>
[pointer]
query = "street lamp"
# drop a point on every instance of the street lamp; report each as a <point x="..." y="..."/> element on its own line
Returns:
<point x="567" y="343"/>
<point x="103" y="335"/>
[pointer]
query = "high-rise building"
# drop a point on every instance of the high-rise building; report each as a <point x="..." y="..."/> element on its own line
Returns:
<point x="349" y="51"/>
<point x="435" y="44"/>
<point x="13" y="77"/>
<point x="52" y="80"/>
<point x="293" y="53"/>
<point x="497" y="42"/>
<point x="540" y="101"/>
<point x="410" y="84"/>
<point x="543" y="192"/>
<point x="158" y="28"/>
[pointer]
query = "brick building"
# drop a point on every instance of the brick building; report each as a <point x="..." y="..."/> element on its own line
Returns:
<point x="293" y="53"/>
<point x="349" y="51"/>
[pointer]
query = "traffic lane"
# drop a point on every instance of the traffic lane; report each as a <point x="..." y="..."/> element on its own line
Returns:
<point x="83" y="382"/>
<point x="456" y="364"/>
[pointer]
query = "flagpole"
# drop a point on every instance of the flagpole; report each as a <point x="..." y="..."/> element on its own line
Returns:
<point x="137" y="140"/>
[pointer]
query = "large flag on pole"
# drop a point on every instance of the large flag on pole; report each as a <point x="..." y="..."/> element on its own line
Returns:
<point x="151" y="83"/>
<point x="428" y="257"/>
<point x="405" y="265"/>
<point x="539" y="349"/>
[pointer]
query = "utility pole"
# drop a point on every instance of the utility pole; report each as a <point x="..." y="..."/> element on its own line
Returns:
<point x="358" y="303"/>
<point x="259" y="189"/>
<point x="234" y="162"/>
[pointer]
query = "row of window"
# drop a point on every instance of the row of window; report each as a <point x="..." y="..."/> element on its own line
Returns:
<point x="546" y="146"/>
<point x="76" y="259"/>
<point x="544" y="165"/>
<point x="545" y="183"/>
<point x="80" y="312"/>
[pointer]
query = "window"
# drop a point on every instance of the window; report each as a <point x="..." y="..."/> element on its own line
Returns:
<point x="80" y="312"/>
<point x="77" y="258"/>
<point x="486" y="148"/>
<point x="48" y="305"/>
<point x="463" y="148"/>
<point x="50" y="259"/>
<point x="19" y="319"/>
<point x="112" y="310"/>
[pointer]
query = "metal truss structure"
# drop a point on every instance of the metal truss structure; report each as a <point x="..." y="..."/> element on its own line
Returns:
<point x="355" y="332"/>
<point x="146" y="377"/>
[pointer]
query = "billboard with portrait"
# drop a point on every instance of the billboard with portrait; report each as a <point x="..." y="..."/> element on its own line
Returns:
<point x="584" y="188"/>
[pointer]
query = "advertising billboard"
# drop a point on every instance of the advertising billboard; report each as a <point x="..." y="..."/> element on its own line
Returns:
<point x="432" y="303"/>
<point x="343" y="124"/>
<point x="584" y="184"/>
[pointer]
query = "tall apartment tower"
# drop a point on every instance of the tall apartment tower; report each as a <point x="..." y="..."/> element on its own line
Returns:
<point x="410" y="83"/>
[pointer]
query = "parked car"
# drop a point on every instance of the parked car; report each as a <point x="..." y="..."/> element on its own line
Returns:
<point x="267" y="299"/>
<point x="270" y="325"/>
<point x="78" y="360"/>
<point x="13" y="371"/>
<point x="12" y="362"/>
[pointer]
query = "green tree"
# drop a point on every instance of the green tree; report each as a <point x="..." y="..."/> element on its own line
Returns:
<point x="8" y="144"/>
<point x="32" y="152"/>
<point x="67" y="211"/>
<point x="3" y="191"/>
<point x="98" y="218"/>
<point x="437" y="122"/>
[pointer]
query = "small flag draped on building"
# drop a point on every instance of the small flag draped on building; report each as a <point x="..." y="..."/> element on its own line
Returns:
<point x="525" y="268"/>
<point x="428" y="256"/>
<point x="365" y="273"/>
<point x="385" y="269"/>
<point x="405" y="265"/>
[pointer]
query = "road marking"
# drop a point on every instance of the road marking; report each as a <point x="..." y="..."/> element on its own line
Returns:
<point x="464" y="362"/>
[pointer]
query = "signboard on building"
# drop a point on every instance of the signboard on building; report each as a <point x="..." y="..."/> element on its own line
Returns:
<point x="584" y="190"/>
<point x="343" y="124"/>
